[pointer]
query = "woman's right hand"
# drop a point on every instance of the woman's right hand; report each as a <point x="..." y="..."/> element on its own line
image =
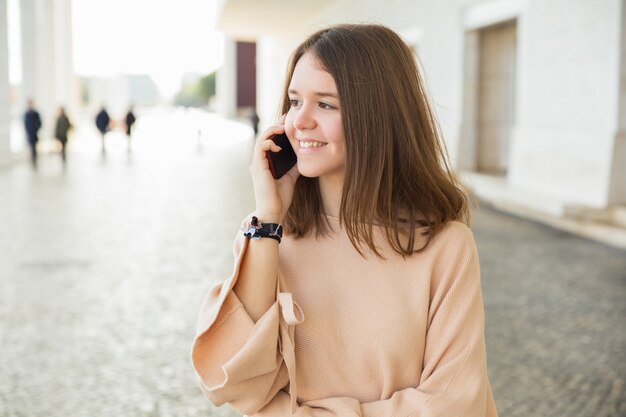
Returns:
<point x="273" y="196"/>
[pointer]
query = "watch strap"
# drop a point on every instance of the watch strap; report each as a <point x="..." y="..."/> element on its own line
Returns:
<point x="256" y="230"/>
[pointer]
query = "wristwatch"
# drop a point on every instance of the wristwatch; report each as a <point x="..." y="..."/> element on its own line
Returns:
<point x="257" y="230"/>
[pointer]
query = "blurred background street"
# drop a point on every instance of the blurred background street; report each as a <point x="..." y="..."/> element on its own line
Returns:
<point x="103" y="266"/>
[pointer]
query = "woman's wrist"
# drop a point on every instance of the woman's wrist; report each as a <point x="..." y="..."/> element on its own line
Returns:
<point x="268" y="217"/>
<point x="256" y="229"/>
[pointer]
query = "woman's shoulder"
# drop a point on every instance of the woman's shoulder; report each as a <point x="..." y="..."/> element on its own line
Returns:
<point x="453" y="236"/>
<point x="456" y="230"/>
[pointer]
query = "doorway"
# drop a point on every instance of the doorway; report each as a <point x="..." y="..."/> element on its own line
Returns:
<point x="495" y="98"/>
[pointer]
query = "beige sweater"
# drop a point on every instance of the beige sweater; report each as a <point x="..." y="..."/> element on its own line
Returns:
<point x="348" y="337"/>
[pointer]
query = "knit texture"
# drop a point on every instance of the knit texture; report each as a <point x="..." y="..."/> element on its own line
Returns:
<point x="350" y="336"/>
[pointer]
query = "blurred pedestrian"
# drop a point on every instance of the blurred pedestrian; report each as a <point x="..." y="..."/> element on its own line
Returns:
<point x="254" y="121"/>
<point x="63" y="125"/>
<point x="370" y="305"/>
<point x="130" y="121"/>
<point x="103" y="122"/>
<point x="32" y="124"/>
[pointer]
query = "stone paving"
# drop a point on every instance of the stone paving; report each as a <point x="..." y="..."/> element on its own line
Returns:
<point x="555" y="319"/>
<point x="103" y="266"/>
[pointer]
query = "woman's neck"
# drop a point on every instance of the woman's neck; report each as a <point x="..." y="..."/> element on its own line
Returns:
<point x="331" y="189"/>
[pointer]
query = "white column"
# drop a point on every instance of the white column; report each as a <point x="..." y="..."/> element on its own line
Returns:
<point x="226" y="81"/>
<point x="37" y="65"/>
<point x="272" y="57"/>
<point x="66" y="91"/>
<point x="47" y="64"/>
<point x="270" y="77"/>
<point x="5" y="115"/>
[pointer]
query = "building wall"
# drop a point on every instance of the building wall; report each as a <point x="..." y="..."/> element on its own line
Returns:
<point x="567" y="116"/>
<point x="617" y="190"/>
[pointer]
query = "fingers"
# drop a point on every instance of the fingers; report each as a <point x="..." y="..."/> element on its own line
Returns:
<point x="260" y="164"/>
<point x="268" y="145"/>
<point x="265" y="142"/>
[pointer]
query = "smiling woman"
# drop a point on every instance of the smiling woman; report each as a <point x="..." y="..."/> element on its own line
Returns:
<point x="370" y="304"/>
<point x="145" y="37"/>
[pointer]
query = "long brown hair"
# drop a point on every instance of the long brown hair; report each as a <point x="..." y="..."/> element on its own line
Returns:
<point x="397" y="174"/>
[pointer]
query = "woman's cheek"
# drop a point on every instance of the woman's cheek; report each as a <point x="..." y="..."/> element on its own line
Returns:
<point x="289" y="129"/>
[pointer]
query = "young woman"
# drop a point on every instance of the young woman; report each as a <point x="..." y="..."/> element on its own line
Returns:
<point x="370" y="304"/>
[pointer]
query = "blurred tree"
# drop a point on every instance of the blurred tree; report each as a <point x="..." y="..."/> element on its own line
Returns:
<point x="207" y="85"/>
<point x="84" y="91"/>
<point x="198" y="93"/>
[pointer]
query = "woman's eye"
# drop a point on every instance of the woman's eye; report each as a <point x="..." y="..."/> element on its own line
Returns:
<point x="326" y="106"/>
<point x="294" y="102"/>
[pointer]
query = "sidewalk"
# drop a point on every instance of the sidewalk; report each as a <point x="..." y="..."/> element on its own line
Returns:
<point x="103" y="267"/>
<point x="607" y="226"/>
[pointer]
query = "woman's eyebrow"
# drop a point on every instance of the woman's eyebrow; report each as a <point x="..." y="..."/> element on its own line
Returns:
<point x="317" y="93"/>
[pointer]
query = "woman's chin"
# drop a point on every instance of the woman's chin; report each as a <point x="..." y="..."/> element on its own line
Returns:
<point x="308" y="172"/>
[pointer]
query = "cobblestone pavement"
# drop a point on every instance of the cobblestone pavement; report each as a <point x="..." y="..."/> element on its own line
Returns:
<point x="555" y="320"/>
<point x="103" y="267"/>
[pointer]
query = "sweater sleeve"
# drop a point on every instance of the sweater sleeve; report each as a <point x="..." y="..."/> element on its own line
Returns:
<point x="238" y="361"/>
<point x="454" y="379"/>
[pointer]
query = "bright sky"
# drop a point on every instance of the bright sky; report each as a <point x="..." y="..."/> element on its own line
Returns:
<point x="162" y="38"/>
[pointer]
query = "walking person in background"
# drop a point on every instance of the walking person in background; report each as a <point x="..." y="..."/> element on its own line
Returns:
<point x="254" y="121"/>
<point x="370" y="303"/>
<point x="61" y="129"/>
<point x="103" y="123"/>
<point x="32" y="124"/>
<point x="130" y="121"/>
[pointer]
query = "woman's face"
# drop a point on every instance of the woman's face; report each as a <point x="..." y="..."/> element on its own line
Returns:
<point x="313" y="122"/>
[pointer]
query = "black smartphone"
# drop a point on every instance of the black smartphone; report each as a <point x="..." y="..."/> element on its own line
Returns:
<point x="281" y="162"/>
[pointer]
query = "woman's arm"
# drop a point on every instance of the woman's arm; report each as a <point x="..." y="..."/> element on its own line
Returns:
<point x="256" y="284"/>
<point x="243" y="353"/>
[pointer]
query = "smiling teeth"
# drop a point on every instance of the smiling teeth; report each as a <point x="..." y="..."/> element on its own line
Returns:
<point x="311" y="144"/>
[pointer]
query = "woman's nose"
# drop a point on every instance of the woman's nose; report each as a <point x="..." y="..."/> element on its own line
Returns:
<point x="304" y="119"/>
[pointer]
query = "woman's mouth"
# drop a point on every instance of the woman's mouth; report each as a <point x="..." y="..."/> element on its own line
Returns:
<point x="305" y="144"/>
